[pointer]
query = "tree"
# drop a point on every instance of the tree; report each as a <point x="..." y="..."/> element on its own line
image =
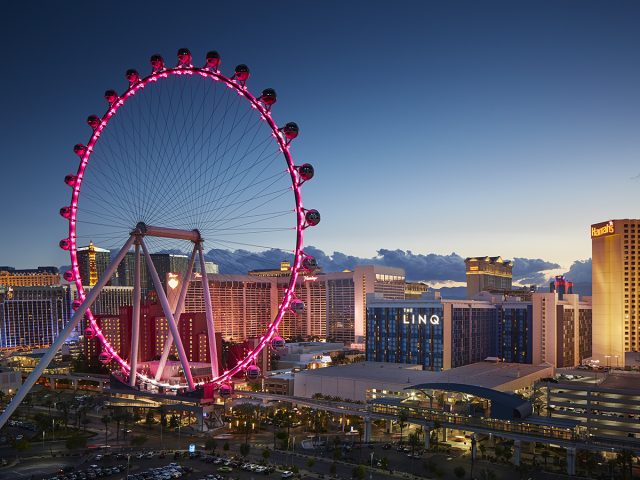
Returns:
<point x="311" y="462"/>
<point x="106" y="419"/>
<point x="76" y="442"/>
<point x="22" y="445"/>
<point x="225" y="447"/>
<point x="266" y="453"/>
<point x="174" y="422"/>
<point x="402" y="422"/>
<point x="332" y="469"/>
<point x="150" y="418"/>
<point x="459" y="472"/>
<point x="414" y="442"/>
<point x="211" y="444"/>
<point x="138" y="440"/>
<point x="486" y="474"/>
<point x="245" y="448"/>
<point x="358" y="472"/>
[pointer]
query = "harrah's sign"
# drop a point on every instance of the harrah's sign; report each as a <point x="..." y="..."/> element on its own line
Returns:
<point x="601" y="229"/>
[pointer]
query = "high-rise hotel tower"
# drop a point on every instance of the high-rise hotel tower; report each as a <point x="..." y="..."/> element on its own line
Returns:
<point x="616" y="290"/>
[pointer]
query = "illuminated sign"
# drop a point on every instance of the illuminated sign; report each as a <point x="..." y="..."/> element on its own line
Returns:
<point x="310" y="279"/>
<point x="173" y="281"/>
<point x="473" y="268"/>
<point x="410" y="319"/>
<point x="601" y="229"/>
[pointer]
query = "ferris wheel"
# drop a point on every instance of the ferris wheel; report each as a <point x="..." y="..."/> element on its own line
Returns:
<point x="184" y="156"/>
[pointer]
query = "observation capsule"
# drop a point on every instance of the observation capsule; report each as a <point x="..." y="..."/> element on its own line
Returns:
<point x="269" y="96"/>
<point x="65" y="244"/>
<point x="79" y="149"/>
<point x="306" y="171"/>
<point x="111" y="96"/>
<point x="93" y="121"/>
<point x="278" y="343"/>
<point x="65" y="212"/>
<point x="225" y="390"/>
<point x="309" y="263"/>
<point x="297" y="306"/>
<point x="157" y="62"/>
<point x="291" y="130"/>
<point x="312" y="217"/>
<point x="132" y="76"/>
<point x="213" y="60"/>
<point x="69" y="276"/>
<point x="90" y="333"/>
<point x="76" y="304"/>
<point x="242" y="73"/>
<point x="253" y="372"/>
<point x="71" y="180"/>
<point x="184" y="57"/>
<point x="104" y="357"/>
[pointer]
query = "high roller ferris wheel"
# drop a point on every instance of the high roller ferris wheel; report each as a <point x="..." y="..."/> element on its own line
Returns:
<point x="184" y="155"/>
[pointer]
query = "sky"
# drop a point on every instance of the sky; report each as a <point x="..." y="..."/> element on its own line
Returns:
<point x="474" y="128"/>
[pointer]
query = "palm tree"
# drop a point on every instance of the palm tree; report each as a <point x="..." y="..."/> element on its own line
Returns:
<point x="402" y="421"/>
<point x="414" y="442"/>
<point x="106" y="419"/>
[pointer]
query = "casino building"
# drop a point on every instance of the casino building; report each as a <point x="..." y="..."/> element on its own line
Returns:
<point x="615" y="254"/>
<point x="442" y="334"/>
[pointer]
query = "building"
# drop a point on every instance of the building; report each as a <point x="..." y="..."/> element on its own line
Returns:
<point x="440" y="334"/>
<point x="164" y="264"/>
<point x="33" y="316"/>
<point x="244" y="305"/>
<point x="615" y="257"/>
<point x="36" y="277"/>
<point x="92" y="263"/>
<point x="415" y="290"/>
<point x="366" y="380"/>
<point x="488" y="274"/>
<point x="562" y="329"/>
<point x="608" y="407"/>
<point x="108" y="303"/>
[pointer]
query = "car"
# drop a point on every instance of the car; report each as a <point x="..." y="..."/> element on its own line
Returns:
<point x="99" y="457"/>
<point x="225" y="469"/>
<point x="287" y="474"/>
<point x="386" y="446"/>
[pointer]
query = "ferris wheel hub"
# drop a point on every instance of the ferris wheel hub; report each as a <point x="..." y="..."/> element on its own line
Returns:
<point x="165" y="232"/>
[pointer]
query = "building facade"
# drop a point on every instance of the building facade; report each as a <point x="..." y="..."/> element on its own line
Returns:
<point x="488" y="274"/>
<point x="441" y="334"/>
<point x="92" y="263"/>
<point x="562" y="329"/>
<point x="615" y="256"/>
<point x="33" y="316"/>
<point x="36" y="277"/>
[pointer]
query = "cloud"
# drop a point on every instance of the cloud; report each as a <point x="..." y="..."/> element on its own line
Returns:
<point x="580" y="271"/>
<point x="418" y="267"/>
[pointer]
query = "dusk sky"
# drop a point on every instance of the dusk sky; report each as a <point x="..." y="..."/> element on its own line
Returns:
<point x="481" y="128"/>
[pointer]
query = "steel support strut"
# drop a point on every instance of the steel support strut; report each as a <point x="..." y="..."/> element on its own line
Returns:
<point x="211" y="329"/>
<point x="59" y="341"/>
<point x="164" y="302"/>
<point x="178" y="311"/>
<point x="135" y="328"/>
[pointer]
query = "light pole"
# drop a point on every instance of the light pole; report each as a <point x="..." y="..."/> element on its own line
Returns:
<point x="371" y="469"/>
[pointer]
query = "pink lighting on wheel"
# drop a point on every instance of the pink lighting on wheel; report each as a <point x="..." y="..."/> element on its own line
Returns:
<point x="298" y="174"/>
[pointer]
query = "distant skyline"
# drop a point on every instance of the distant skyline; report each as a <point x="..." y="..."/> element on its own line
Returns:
<point x="480" y="128"/>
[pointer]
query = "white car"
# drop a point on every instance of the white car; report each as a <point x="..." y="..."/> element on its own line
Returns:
<point x="287" y="474"/>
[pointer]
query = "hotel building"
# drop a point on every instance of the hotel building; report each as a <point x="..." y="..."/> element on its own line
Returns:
<point x="562" y="329"/>
<point x="615" y="256"/>
<point x="33" y="316"/>
<point x="36" y="277"/>
<point x="490" y="274"/>
<point x="441" y="334"/>
<point x="92" y="263"/>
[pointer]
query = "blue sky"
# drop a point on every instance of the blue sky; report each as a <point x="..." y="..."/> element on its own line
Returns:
<point x="481" y="128"/>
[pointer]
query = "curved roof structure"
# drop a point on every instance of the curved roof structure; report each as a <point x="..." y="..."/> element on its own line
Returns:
<point x="504" y="406"/>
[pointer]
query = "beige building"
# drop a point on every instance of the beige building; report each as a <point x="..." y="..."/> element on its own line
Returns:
<point x="616" y="286"/>
<point x="562" y="326"/>
<point x="490" y="274"/>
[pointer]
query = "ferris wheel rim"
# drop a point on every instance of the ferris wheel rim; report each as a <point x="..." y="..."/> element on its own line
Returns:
<point x="85" y="152"/>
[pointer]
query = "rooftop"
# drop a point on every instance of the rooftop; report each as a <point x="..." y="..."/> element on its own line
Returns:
<point x="498" y="376"/>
